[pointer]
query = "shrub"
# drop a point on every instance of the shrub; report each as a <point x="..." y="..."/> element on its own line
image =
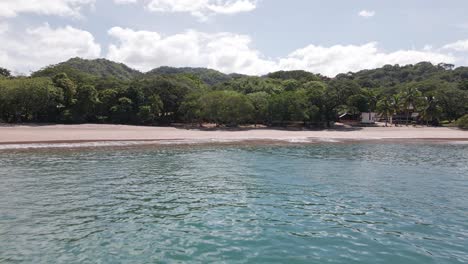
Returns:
<point x="463" y="122"/>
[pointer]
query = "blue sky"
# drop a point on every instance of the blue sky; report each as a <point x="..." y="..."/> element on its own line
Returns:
<point x="246" y="36"/>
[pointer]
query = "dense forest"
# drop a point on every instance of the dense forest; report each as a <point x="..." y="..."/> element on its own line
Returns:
<point x="101" y="91"/>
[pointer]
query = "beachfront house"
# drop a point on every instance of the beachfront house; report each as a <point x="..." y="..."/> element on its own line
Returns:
<point x="408" y="116"/>
<point x="368" y="118"/>
<point x="349" y="119"/>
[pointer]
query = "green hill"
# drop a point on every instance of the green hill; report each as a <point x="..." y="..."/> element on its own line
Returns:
<point x="394" y="75"/>
<point x="209" y="76"/>
<point x="79" y="68"/>
<point x="298" y="75"/>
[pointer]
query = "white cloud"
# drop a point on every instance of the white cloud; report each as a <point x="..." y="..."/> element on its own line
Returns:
<point x="427" y="47"/>
<point x="230" y="52"/>
<point x="232" y="7"/>
<point x="366" y="13"/>
<point x="341" y="59"/>
<point x="461" y="45"/>
<point x="146" y="50"/>
<point x="4" y="27"/>
<point x="31" y="49"/>
<point x="125" y="1"/>
<point x="199" y="8"/>
<point x="41" y="46"/>
<point x="12" y="8"/>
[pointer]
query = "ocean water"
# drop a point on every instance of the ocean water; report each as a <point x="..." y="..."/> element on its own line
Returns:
<point x="316" y="203"/>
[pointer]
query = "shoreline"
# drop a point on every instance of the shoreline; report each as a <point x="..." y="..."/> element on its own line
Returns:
<point x="116" y="145"/>
<point x="96" y="135"/>
<point x="246" y="140"/>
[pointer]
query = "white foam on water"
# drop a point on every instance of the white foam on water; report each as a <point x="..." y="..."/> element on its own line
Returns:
<point x="311" y="140"/>
<point x="97" y="144"/>
<point x="73" y="145"/>
<point x="123" y="143"/>
<point x="297" y="140"/>
<point x="458" y="142"/>
<point x="330" y="140"/>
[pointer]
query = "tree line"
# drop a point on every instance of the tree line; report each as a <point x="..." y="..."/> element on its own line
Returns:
<point x="101" y="91"/>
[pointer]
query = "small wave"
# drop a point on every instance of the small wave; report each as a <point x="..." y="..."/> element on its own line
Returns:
<point x="458" y="142"/>
<point x="73" y="145"/>
<point x="311" y="140"/>
<point x="331" y="140"/>
<point x="298" y="140"/>
<point x="124" y="143"/>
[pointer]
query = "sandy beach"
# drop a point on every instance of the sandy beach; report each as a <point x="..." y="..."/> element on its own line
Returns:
<point x="22" y="134"/>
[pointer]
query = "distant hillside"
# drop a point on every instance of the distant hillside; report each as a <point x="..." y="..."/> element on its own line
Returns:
<point x="298" y="75"/>
<point x="209" y="76"/>
<point x="393" y="75"/>
<point x="100" y="68"/>
<point x="82" y="71"/>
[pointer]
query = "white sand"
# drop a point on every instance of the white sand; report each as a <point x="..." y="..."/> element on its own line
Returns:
<point x="95" y="133"/>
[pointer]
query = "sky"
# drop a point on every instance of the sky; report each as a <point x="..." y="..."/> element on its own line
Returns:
<point x="244" y="36"/>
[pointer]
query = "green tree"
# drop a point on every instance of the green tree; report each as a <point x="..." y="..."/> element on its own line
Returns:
<point x="453" y="102"/>
<point x="462" y="122"/>
<point x="68" y="87"/>
<point x="190" y="108"/>
<point x="123" y="112"/>
<point x="107" y="98"/>
<point x="386" y="109"/>
<point x="4" y="72"/>
<point x="291" y="85"/>
<point x="292" y="106"/>
<point x="252" y="84"/>
<point x="396" y="103"/>
<point x="226" y="107"/>
<point x="335" y="96"/>
<point x="85" y="103"/>
<point x="259" y="102"/>
<point x="431" y="110"/>
<point x="410" y="98"/>
<point x="146" y="114"/>
<point x="29" y="99"/>
<point x="150" y="112"/>
<point x="372" y="99"/>
<point x="171" y="89"/>
<point x="357" y="103"/>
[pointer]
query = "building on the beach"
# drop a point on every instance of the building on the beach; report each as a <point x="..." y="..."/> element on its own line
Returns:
<point x="410" y="115"/>
<point x="368" y="118"/>
<point x="349" y="119"/>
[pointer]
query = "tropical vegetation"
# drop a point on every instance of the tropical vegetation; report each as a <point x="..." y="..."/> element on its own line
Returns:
<point x="102" y="91"/>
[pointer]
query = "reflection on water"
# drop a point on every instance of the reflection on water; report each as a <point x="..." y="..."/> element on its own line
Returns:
<point x="341" y="203"/>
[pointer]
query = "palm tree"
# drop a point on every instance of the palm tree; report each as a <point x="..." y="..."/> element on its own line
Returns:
<point x="395" y="102"/>
<point x="386" y="109"/>
<point x="372" y="98"/>
<point x="410" y="96"/>
<point x="431" y="109"/>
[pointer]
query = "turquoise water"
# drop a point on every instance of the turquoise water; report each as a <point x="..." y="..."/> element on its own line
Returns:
<point x="322" y="203"/>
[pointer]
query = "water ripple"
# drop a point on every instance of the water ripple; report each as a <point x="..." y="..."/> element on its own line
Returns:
<point x="348" y="203"/>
